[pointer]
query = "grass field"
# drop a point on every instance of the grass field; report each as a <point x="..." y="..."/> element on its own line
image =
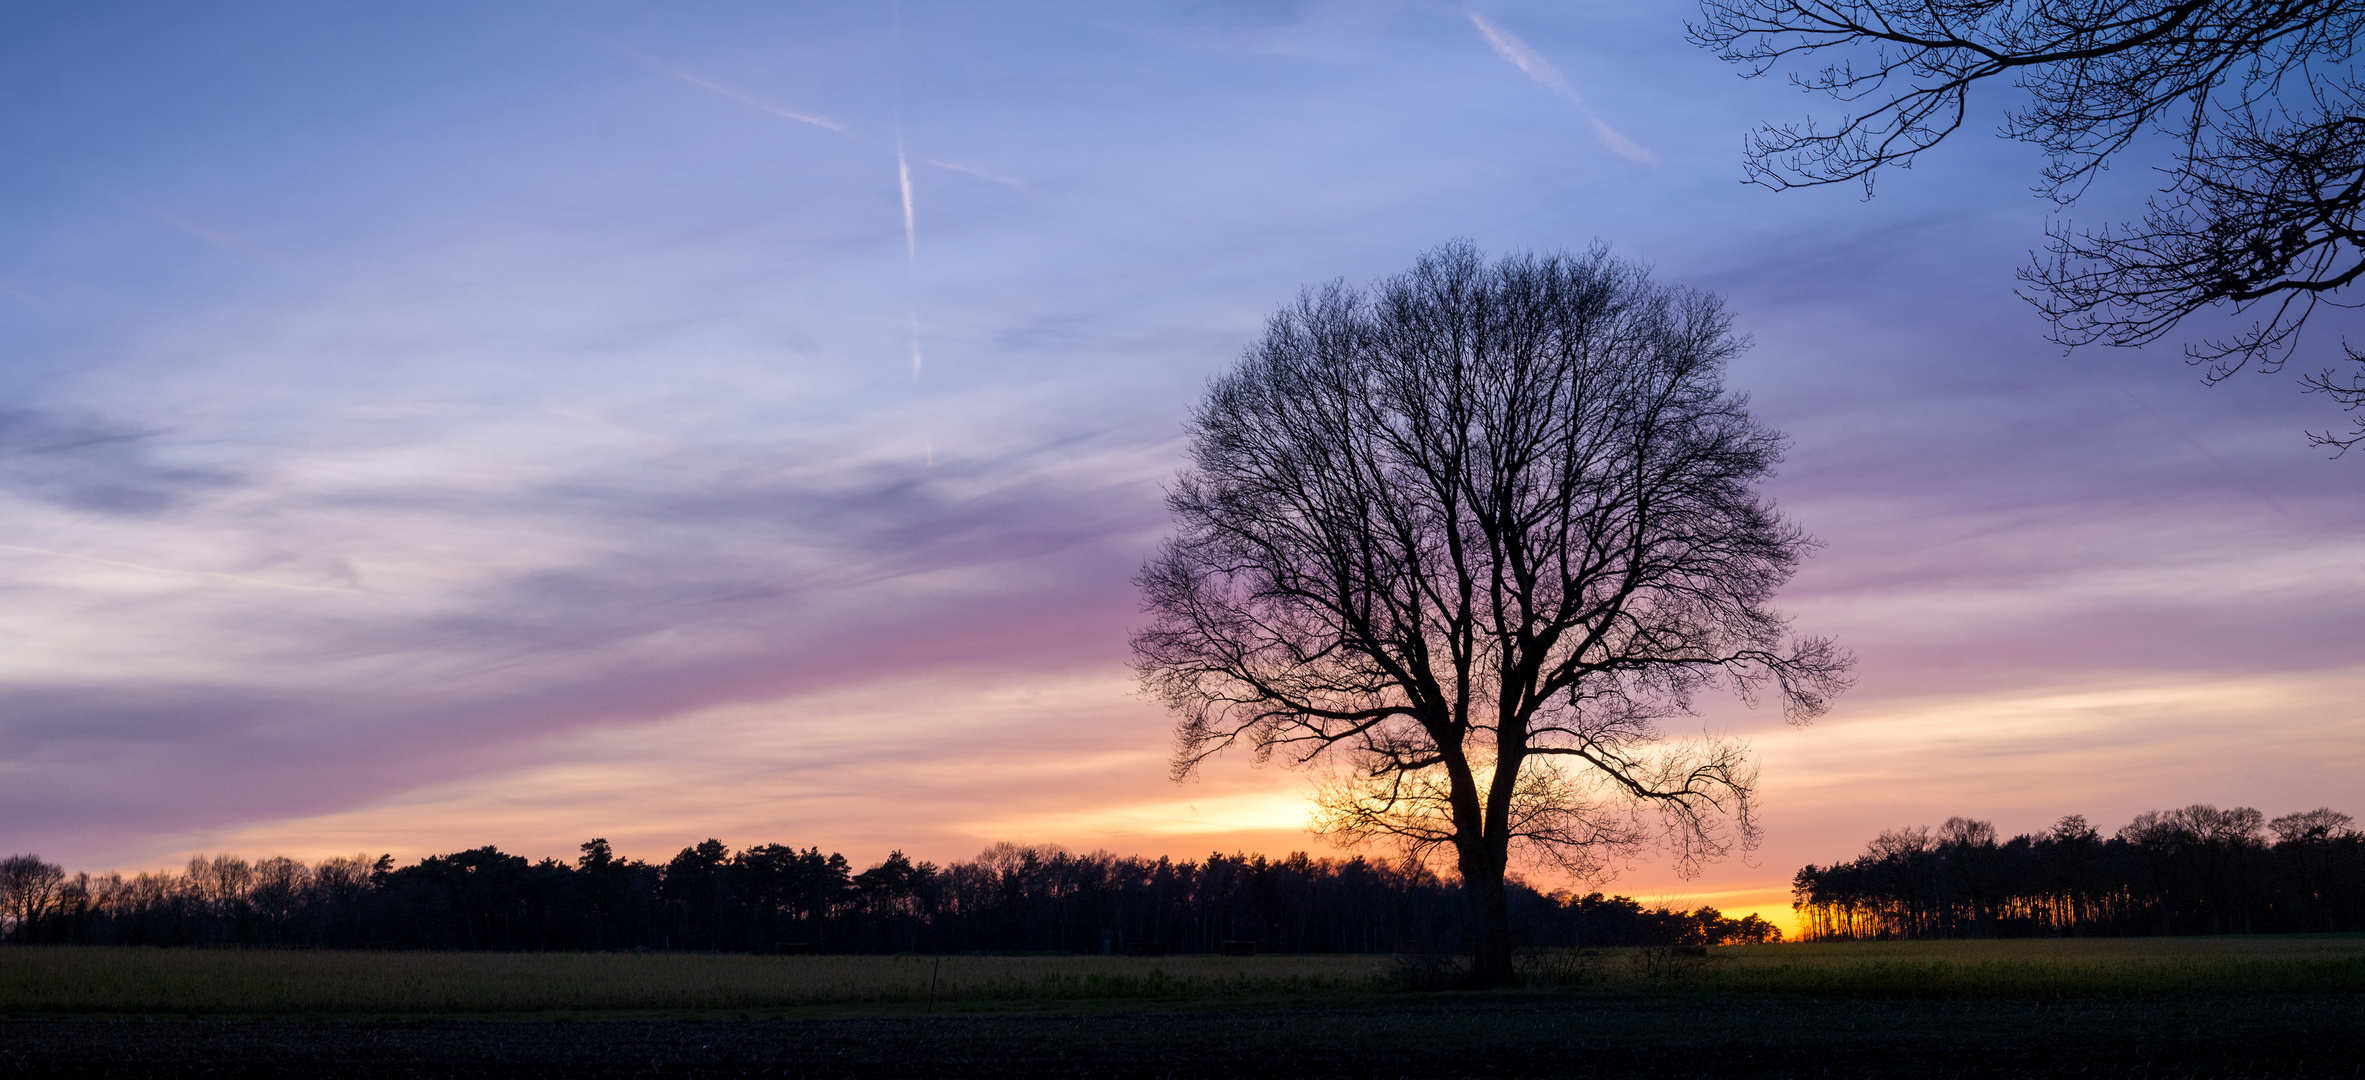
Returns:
<point x="2129" y="1009"/>
<point x="2038" y="968"/>
<point x="74" y="981"/>
<point x="224" y="982"/>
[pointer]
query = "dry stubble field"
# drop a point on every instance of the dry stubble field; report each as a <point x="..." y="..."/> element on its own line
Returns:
<point x="2284" y="1006"/>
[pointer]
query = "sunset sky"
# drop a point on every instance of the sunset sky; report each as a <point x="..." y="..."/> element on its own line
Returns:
<point x="432" y="425"/>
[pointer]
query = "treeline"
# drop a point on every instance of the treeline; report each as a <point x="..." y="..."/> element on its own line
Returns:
<point x="775" y="898"/>
<point x="2198" y="870"/>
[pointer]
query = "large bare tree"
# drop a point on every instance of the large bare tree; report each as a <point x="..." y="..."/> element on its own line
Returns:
<point x="1469" y="536"/>
<point x="2258" y="212"/>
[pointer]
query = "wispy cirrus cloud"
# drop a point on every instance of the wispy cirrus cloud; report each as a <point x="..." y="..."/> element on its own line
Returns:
<point x="87" y="463"/>
<point x="1510" y="48"/>
<point x="859" y="573"/>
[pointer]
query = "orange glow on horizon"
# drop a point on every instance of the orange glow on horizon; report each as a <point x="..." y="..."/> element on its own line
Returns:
<point x="1078" y="762"/>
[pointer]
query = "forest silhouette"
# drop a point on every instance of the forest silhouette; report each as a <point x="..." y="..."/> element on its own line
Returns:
<point x="2197" y="870"/>
<point x="776" y="898"/>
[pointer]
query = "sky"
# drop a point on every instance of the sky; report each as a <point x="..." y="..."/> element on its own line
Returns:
<point x="441" y="424"/>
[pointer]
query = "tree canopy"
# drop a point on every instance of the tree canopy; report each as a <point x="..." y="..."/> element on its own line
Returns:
<point x="1472" y="534"/>
<point x="2257" y="215"/>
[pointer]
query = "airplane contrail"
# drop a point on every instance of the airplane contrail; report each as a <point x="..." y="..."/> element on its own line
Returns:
<point x="1545" y="75"/>
<point x="903" y="173"/>
<point x="1522" y="57"/>
<point x="709" y="84"/>
<point x="903" y="177"/>
<point x="911" y="239"/>
<point x="972" y="170"/>
<point x="217" y="239"/>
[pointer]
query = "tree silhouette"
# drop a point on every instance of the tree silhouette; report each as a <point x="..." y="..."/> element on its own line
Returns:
<point x="28" y="894"/>
<point x="2259" y="214"/>
<point x="1471" y="534"/>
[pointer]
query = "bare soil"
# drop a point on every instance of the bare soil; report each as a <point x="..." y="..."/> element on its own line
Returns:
<point x="1575" y="1034"/>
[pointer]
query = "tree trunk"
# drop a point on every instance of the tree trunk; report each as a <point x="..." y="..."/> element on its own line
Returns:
<point x="1490" y="923"/>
